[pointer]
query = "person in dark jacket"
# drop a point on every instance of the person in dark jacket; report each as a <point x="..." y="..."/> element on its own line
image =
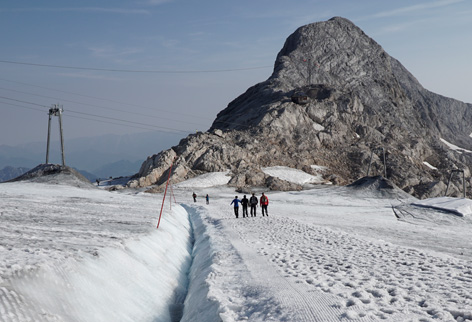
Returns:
<point x="253" y="203"/>
<point x="236" y="203"/>
<point x="194" y="195"/>
<point x="264" y="203"/>
<point x="207" y="198"/>
<point x="244" y="203"/>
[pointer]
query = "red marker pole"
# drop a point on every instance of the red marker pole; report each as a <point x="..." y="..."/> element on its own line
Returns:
<point x="162" y="206"/>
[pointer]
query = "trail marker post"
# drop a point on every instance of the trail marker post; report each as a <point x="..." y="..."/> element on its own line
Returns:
<point x="165" y="192"/>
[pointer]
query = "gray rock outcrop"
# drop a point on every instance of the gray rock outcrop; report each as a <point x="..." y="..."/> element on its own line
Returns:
<point x="357" y="99"/>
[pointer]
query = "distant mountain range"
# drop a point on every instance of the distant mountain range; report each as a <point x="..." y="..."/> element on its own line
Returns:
<point x="8" y="173"/>
<point x="97" y="157"/>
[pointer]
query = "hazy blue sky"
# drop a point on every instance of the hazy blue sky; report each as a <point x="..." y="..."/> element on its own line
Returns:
<point x="182" y="39"/>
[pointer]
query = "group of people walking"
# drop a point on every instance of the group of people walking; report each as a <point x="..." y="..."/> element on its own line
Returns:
<point x="207" y="198"/>
<point x="245" y="202"/>
<point x="252" y="202"/>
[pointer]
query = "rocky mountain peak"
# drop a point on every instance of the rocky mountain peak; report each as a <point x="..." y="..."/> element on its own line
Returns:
<point x="333" y="52"/>
<point x="334" y="99"/>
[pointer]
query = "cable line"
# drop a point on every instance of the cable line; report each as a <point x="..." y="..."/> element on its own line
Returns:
<point x="106" y="99"/>
<point x="132" y="105"/>
<point x="99" y="116"/>
<point x="121" y="120"/>
<point x="88" y="119"/>
<point x="120" y="124"/>
<point x="29" y="108"/>
<point x="103" y="107"/>
<point x="138" y="71"/>
<point x="20" y="101"/>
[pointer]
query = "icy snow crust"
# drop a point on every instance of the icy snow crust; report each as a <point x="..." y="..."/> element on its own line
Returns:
<point x="326" y="254"/>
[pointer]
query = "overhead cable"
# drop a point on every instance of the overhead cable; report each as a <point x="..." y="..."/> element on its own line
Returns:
<point x="137" y="71"/>
<point x="8" y="104"/>
<point x="99" y="116"/>
<point x="106" y="99"/>
<point x="103" y="107"/>
<point x="122" y="103"/>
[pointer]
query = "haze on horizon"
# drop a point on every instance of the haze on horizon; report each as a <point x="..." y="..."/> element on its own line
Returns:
<point x="171" y="66"/>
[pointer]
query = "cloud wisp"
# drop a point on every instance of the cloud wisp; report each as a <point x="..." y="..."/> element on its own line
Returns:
<point x="415" y="8"/>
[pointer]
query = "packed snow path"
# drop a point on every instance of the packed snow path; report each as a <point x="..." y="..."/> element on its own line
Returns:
<point x="369" y="279"/>
<point x="280" y="268"/>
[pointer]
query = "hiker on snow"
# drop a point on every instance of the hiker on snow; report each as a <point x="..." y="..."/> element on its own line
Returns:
<point x="194" y="195"/>
<point x="253" y="203"/>
<point x="264" y="203"/>
<point x="244" y="203"/>
<point x="207" y="199"/>
<point x="236" y="202"/>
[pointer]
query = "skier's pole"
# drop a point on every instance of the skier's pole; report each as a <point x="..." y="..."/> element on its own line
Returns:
<point x="163" y="199"/>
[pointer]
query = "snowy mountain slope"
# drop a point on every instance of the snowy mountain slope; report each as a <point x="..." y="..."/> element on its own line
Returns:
<point x="72" y="254"/>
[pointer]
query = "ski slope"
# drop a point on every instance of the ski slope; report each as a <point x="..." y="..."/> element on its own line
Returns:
<point x="326" y="254"/>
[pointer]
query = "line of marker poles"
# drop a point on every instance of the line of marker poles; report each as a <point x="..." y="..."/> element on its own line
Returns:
<point x="165" y="192"/>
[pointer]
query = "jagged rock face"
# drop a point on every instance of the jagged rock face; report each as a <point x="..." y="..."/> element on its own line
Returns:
<point x="358" y="98"/>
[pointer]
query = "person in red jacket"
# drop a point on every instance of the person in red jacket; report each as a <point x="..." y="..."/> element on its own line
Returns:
<point x="264" y="203"/>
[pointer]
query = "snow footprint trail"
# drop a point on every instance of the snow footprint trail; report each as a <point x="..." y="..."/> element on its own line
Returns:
<point x="227" y="278"/>
<point x="369" y="280"/>
<point x="302" y="303"/>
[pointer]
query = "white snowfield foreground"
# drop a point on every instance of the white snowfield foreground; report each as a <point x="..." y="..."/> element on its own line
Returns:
<point x="71" y="254"/>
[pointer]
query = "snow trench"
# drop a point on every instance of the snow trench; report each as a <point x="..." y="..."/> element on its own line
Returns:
<point x="198" y="303"/>
<point x="158" y="277"/>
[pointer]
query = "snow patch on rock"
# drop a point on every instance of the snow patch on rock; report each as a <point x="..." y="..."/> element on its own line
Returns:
<point x="292" y="175"/>
<point x="206" y="180"/>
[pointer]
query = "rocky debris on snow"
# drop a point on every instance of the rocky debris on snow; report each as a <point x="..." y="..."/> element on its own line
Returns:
<point x="358" y="100"/>
<point x="378" y="186"/>
<point x="55" y="174"/>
